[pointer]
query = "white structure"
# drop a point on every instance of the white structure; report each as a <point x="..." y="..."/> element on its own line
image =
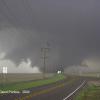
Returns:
<point x="4" y="70"/>
<point x="59" y="72"/>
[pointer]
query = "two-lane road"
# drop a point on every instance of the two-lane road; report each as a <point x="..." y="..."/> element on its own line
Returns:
<point x="59" y="91"/>
<point x="62" y="92"/>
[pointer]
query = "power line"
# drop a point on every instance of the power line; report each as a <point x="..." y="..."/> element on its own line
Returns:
<point x="11" y="17"/>
<point x="34" y="16"/>
<point x="4" y="14"/>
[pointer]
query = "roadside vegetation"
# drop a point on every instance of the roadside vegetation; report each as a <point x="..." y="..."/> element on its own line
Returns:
<point x="30" y="84"/>
<point x="92" y="92"/>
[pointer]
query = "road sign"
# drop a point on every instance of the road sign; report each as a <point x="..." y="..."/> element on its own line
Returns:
<point x="4" y="70"/>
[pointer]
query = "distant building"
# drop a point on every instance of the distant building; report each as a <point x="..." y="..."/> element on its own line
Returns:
<point x="59" y="72"/>
<point x="60" y="69"/>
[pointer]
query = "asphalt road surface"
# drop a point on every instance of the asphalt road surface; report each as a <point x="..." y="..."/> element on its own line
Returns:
<point x="62" y="90"/>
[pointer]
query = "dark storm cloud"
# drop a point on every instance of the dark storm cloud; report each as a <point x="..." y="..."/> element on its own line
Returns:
<point x="70" y="26"/>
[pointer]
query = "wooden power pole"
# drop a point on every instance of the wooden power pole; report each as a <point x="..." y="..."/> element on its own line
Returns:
<point x="44" y="51"/>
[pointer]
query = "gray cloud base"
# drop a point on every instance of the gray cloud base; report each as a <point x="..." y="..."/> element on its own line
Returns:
<point x="71" y="28"/>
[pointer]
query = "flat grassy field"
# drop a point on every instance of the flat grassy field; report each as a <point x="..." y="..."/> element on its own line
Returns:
<point x="92" y="92"/>
<point x="30" y="84"/>
<point x="19" y="77"/>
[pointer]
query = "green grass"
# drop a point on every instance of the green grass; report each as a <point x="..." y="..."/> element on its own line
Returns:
<point x="26" y="85"/>
<point x="90" y="93"/>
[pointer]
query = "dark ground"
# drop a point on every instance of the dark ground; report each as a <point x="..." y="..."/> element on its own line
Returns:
<point x="56" y="91"/>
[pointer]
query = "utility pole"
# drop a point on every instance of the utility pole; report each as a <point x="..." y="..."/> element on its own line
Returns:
<point x="44" y="51"/>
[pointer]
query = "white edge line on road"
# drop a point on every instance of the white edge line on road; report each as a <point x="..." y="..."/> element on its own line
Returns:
<point x="74" y="91"/>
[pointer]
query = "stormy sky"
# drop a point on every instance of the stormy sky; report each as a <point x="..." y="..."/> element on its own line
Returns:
<point x="71" y="27"/>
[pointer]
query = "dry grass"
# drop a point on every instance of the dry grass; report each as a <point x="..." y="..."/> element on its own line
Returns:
<point x="91" y="93"/>
<point x="12" y="78"/>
